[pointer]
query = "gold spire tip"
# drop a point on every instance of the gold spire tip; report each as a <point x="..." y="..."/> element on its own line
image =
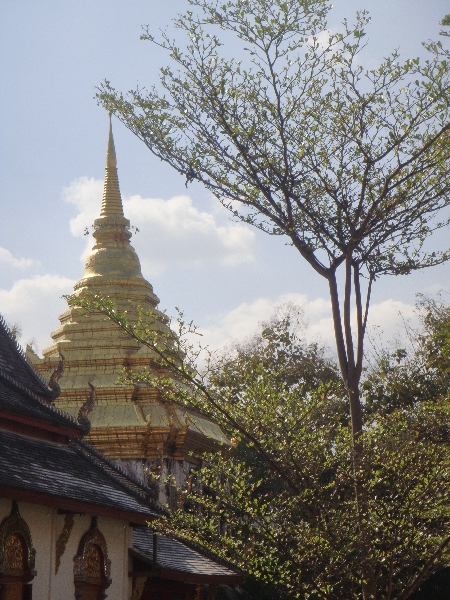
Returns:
<point x="111" y="160"/>
<point x="112" y="201"/>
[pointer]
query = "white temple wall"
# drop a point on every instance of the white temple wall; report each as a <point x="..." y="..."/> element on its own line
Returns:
<point x="45" y="526"/>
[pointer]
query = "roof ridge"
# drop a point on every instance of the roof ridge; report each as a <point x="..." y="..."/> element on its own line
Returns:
<point x="120" y="475"/>
<point x="51" y="408"/>
<point x="20" y="351"/>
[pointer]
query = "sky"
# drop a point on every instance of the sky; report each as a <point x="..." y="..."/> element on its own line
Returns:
<point x="224" y="275"/>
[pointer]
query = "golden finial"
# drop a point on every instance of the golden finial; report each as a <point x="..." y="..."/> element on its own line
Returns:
<point x="112" y="200"/>
<point x="111" y="160"/>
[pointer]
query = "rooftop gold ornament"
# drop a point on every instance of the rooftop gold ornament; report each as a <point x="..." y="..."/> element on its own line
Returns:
<point x="126" y="423"/>
<point x="112" y="200"/>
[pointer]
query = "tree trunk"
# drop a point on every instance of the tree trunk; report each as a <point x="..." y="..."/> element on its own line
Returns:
<point x="351" y="373"/>
<point x="362" y="504"/>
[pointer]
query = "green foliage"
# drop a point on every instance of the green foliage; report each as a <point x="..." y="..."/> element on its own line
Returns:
<point x="304" y="541"/>
<point x="282" y="505"/>
<point x="297" y="369"/>
<point x="284" y="510"/>
<point x="445" y="23"/>
<point x="281" y="349"/>
<point x="401" y="378"/>
<point x="275" y="115"/>
<point x="437" y="340"/>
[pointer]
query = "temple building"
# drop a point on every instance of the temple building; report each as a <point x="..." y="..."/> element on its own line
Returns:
<point x="72" y="523"/>
<point x="133" y="426"/>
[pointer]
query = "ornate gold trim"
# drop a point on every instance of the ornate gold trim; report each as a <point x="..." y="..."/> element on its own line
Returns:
<point x="138" y="588"/>
<point x="92" y="547"/>
<point x="62" y="540"/>
<point x="15" y="526"/>
<point x="87" y="407"/>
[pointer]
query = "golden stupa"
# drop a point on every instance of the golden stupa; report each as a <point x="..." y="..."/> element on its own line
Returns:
<point x="131" y="425"/>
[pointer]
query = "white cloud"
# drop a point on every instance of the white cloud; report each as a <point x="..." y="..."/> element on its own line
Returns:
<point x="323" y="38"/>
<point x="171" y="231"/>
<point x="243" y="321"/>
<point x="13" y="262"/>
<point x="386" y="320"/>
<point x="86" y="194"/>
<point x="389" y="315"/>
<point x="35" y="303"/>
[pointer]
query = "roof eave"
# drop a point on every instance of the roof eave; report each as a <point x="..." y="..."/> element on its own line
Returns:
<point x="40" y="425"/>
<point x="76" y="506"/>
<point x="199" y="579"/>
<point x="157" y="570"/>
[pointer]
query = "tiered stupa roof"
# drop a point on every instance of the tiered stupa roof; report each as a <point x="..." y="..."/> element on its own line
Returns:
<point x="125" y="422"/>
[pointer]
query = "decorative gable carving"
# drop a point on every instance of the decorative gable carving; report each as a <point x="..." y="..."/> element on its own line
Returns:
<point x="92" y="567"/>
<point x="17" y="555"/>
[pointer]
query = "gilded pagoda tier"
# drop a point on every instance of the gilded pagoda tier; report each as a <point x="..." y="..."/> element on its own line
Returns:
<point x="126" y="423"/>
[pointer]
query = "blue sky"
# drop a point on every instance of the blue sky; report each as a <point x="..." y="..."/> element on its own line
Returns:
<point x="225" y="276"/>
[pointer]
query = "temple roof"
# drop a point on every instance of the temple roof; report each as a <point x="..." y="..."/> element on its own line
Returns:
<point x="69" y="474"/>
<point x="24" y="394"/>
<point x="177" y="560"/>
<point x="66" y="470"/>
<point x="21" y="404"/>
<point x="16" y="368"/>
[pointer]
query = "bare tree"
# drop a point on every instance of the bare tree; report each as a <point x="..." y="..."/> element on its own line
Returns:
<point x="299" y="140"/>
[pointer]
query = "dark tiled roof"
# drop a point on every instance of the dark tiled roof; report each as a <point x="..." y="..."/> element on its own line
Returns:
<point x="174" y="555"/>
<point x="15" y="367"/>
<point x="19" y="402"/>
<point x="22" y="390"/>
<point x="119" y="474"/>
<point x="72" y="472"/>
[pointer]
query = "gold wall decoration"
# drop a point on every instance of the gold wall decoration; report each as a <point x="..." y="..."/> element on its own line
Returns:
<point x="17" y="556"/>
<point x="15" y="539"/>
<point x="93" y="564"/>
<point x="62" y="540"/>
<point x="198" y="592"/>
<point x="138" y="588"/>
<point x="92" y="568"/>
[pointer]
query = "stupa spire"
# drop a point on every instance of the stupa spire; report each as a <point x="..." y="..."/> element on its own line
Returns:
<point x="112" y="200"/>
<point x="112" y="257"/>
